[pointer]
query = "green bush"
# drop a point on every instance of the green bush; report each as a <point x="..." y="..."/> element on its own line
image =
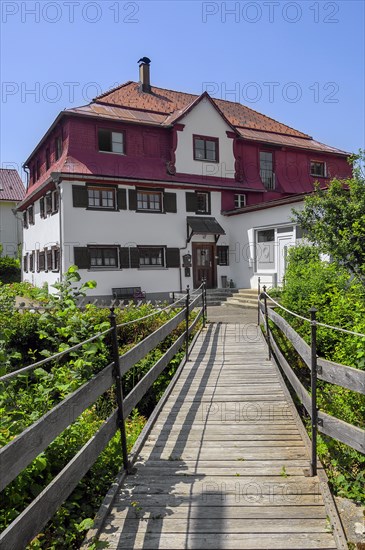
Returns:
<point x="9" y="270"/>
<point x="340" y="300"/>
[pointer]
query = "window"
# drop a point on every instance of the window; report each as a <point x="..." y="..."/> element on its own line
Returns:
<point x="58" y="147"/>
<point x="31" y="215"/>
<point x="318" y="169"/>
<point x="267" y="170"/>
<point x="48" y="159"/>
<point x="25" y="219"/>
<point x="202" y="203"/>
<point x="206" y="148"/>
<point x="55" y="201"/>
<point x="151" y="256"/>
<point x="41" y="261"/>
<point x="101" y="198"/>
<point x="55" y="258"/>
<point x="149" y="200"/>
<point x="265" y="249"/>
<point x="111" y="142"/>
<point x="239" y="201"/>
<point x="222" y="253"/>
<point x="48" y="203"/>
<point x="103" y="257"/>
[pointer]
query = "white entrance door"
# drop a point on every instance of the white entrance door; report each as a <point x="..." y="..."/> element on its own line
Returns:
<point x="284" y="243"/>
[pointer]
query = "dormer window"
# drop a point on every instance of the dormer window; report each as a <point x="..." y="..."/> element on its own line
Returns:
<point x="58" y="147"/>
<point x="239" y="200"/>
<point x="318" y="169"/>
<point x="206" y="148"/>
<point x="111" y="142"/>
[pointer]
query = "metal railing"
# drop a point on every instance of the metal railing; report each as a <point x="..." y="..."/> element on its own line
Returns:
<point x="328" y="371"/>
<point x="24" y="448"/>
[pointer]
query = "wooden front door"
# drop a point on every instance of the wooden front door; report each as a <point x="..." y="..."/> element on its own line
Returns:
<point x="204" y="265"/>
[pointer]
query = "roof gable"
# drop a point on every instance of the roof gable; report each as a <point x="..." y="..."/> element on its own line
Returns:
<point x="11" y="186"/>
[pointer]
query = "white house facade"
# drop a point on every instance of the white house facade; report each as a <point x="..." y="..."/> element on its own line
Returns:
<point x="156" y="189"/>
<point x="12" y="192"/>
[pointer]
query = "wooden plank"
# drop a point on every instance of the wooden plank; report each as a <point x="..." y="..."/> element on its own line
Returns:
<point x="30" y="522"/>
<point x="342" y="431"/>
<point x="291" y="376"/>
<point x="20" y="452"/>
<point x="224" y="541"/>
<point x="146" y="382"/>
<point x="139" y="351"/>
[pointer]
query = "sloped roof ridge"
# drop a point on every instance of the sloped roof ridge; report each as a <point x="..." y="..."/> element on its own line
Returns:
<point x="194" y="95"/>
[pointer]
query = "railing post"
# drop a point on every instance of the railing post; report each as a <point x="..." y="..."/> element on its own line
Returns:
<point x="314" y="415"/>
<point x="187" y="303"/>
<point x="119" y="389"/>
<point x="203" y="305"/>
<point x="267" y="323"/>
<point x="205" y="297"/>
<point x="258" y="301"/>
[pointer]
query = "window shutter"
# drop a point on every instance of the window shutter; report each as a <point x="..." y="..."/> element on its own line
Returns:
<point x="191" y="203"/>
<point x="132" y="193"/>
<point x="172" y="257"/>
<point x="170" y="202"/>
<point x="124" y="257"/>
<point x="122" y="199"/>
<point x="81" y="257"/>
<point x="41" y="207"/>
<point x="134" y="252"/>
<point x="79" y="196"/>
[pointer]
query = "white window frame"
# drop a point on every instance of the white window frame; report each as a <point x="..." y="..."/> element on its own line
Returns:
<point x="239" y="200"/>
<point x="114" y="141"/>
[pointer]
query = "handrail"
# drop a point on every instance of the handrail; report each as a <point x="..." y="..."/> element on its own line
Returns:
<point x="21" y="451"/>
<point x="341" y="375"/>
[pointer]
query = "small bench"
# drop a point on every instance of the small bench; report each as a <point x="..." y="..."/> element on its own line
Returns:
<point x="129" y="293"/>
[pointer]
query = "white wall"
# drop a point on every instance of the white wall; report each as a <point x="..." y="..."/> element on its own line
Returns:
<point x="83" y="227"/>
<point x="204" y="120"/>
<point x="45" y="233"/>
<point x="242" y="249"/>
<point x="10" y="229"/>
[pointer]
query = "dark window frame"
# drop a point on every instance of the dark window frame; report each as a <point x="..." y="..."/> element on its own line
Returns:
<point x="206" y="139"/>
<point x="103" y="249"/>
<point x="321" y="163"/>
<point x="149" y="192"/>
<point x="207" y="210"/>
<point x="111" y="132"/>
<point x="100" y="191"/>
<point x="151" y="248"/>
<point x="265" y="179"/>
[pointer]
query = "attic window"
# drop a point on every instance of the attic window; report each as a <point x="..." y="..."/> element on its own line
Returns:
<point x="111" y="142"/>
<point x="206" y="148"/>
<point x="318" y="169"/>
<point x="239" y="201"/>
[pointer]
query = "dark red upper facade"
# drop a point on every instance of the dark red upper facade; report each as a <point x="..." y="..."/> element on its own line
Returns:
<point x="151" y="122"/>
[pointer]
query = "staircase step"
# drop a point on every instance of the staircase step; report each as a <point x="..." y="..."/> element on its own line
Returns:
<point x="233" y="303"/>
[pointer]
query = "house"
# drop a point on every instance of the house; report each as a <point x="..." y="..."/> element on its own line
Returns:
<point x="159" y="189"/>
<point x="12" y="192"/>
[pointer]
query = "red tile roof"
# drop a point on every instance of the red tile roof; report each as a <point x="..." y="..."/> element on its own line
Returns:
<point x="11" y="186"/>
<point x="167" y="102"/>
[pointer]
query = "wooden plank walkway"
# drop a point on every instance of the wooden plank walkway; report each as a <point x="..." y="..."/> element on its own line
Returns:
<point x="223" y="464"/>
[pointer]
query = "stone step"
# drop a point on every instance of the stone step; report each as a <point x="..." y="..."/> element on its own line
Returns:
<point x="243" y="305"/>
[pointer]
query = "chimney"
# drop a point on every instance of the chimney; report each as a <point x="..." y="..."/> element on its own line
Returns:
<point x="144" y="75"/>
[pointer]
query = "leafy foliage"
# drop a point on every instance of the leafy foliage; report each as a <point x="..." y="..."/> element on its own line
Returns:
<point x="334" y="219"/>
<point x="28" y="336"/>
<point x="340" y="300"/>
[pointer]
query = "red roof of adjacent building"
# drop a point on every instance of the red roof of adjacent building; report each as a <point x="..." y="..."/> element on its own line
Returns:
<point x="11" y="186"/>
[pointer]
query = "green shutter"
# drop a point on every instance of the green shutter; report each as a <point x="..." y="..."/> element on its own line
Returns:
<point x="191" y="204"/>
<point x="132" y="193"/>
<point x="134" y="255"/>
<point x="170" y="202"/>
<point x="79" y="196"/>
<point x="81" y="257"/>
<point x="124" y="257"/>
<point x="122" y="199"/>
<point x="172" y="257"/>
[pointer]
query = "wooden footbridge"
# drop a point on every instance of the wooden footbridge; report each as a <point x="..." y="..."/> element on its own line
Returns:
<point x="224" y="462"/>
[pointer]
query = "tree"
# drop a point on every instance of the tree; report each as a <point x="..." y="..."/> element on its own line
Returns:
<point x="334" y="219"/>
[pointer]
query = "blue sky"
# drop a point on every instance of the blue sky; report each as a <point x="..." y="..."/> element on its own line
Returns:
<point x="301" y="63"/>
